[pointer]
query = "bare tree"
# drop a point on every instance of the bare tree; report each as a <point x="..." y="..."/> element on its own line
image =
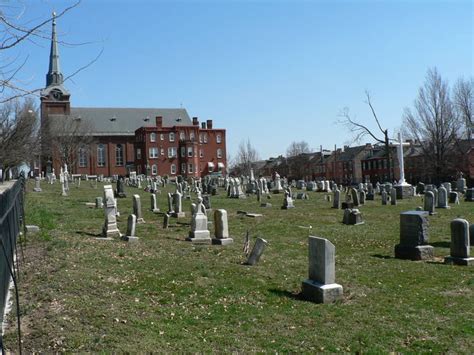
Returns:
<point x="464" y="103"/>
<point x="297" y="159"/>
<point x="18" y="132"/>
<point x="297" y="148"/>
<point x="362" y="131"/>
<point x="67" y="137"/>
<point x="245" y="156"/>
<point x="433" y="122"/>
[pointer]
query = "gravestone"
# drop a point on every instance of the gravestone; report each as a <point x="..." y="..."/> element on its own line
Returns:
<point x="337" y="199"/>
<point x="153" y="207"/>
<point x="454" y="197"/>
<point x="166" y="221"/>
<point x="362" y="197"/>
<point x="137" y="209"/>
<point x="120" y="192"/>
<point x="355" y="197"/>
<point x="199" y="233"/>
<point x="420" y="188"/>
<point x="99" y="203"/>
<point x="320" y="287"/>
<point x="110" y="228"/>
<point x="461" y="184"/>
<point x="443" y="198"/>
<point x="206" y="201"/>
<point x="429" y="203"/>
<point x="221" y="228"/>
<point x="460" y="243"/>
<point x="384" y="197"/>
<point x="393" y="197"/>
<point x="287" y="201"/>
<point x="131" y="228"/>
<point x="414" y="236"/>
<point x="469" y="197"/>
<point x="37" y="187"/>
<point x="177" y="210"/>
<point x="352" y="216"/>
<point x="257" y="251"/>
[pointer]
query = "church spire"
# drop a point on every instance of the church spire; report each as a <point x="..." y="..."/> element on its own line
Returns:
<point x="54" y="76"/>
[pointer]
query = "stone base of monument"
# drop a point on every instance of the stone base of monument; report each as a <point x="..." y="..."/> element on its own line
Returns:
<point x="419" y="252"/>
<point x="140" y="221"/>
<point x="319" y="293"/>
<point x="37" y="189"/>
<point x="370" y="197"/>
<point x="223" y="241"/>
<point x="178" y="214"/>
<point x="130" y="239"/>
<point x="199" y="237"/>
<point x="459" y="261"/>
<point x="404" y="191"/>
<point x="156" y="210"/>
<point x="266" y="205"/>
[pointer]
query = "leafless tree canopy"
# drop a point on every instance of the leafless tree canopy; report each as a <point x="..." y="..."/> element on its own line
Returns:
<point x="297" y="148"/>
<point x="246" y="155"/>
<point x="18" y="132"/>
<point x="66" y="137"/>
<point x="433" y="122"/>
<point x="464" y="103"/>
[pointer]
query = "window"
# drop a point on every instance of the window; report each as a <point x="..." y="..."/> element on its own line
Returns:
<point x="171" y="152"/>
<point x="119" y="155"/>
<point x="82" y="158"/>
<point x="154" y="169"/>
<point x="162" y="137"/>
<point x="218" y="138"/>
<point x="190" y="168"/>
<point x="153" y="152"/>
<point x="173" y="169"/>
<point x="162" y="151"/>
<point x="171" y="136"/>
<point x="100" y="155"/>
<point x="201" y="153"/>
<point x="219" y="153"/>
<point x="139" y="153"/>
<point x="183" y="168"/>
<point x="191" y="136"/>
<point x="200" y="137"/>
<point x="182" y="136"/>
<point x="190" y="152"/>
<point x="205" y="137"/>
<point x="183" y="152"/>
<point x="152" y="137"/>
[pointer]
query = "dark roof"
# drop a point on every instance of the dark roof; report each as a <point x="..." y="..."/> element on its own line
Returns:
<point x="127" y="120"/>
<point x="350" y="153"/>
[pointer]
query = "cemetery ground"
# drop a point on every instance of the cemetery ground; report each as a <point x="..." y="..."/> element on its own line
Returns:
<point x="162" y="293"/>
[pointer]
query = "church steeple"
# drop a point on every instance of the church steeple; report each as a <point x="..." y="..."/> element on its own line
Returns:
<point x="54" y="76"/>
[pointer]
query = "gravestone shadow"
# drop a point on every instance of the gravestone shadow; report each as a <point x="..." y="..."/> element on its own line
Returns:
<point x="284" y="293"/>
<point x="380" y="256"/>
<point x="441" y="244"/>
<point x="89" y="234"/>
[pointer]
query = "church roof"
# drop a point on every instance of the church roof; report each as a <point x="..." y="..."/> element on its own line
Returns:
<point x="124" y="121"/>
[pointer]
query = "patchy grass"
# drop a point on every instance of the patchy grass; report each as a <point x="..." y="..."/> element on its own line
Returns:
<point x="165" y="294"/>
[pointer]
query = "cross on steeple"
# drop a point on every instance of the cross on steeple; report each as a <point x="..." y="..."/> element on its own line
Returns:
<point x="54" y="76"/>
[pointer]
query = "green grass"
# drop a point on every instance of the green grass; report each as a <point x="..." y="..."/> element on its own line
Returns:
<point x="165" y="294"/>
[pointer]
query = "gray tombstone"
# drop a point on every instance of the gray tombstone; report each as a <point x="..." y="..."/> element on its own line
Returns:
<point x="352" y="216"/>
<point x="454" y="197"/>
<point x="469" y="197"/>
<point x="110" y="228"/>
<point x="131" y="228"/>
<point x="355" y="197"/>
<point x="414" y="236"/>
<point x="199" y="233"/>
<point x="221" y="228"/>
<point x="393" y="197"/>
<point x="337" y="199"/>
<point x="443" y="198"/>
<point x="99" y="203"/>
<point x="429" y="203"/>
<point x="257" y="251"/>
<point x="320" y="287"/>
<point x="166" y="221"/>
<point x="384" y="197"/>
<point x="137" y="209"/>
<point x="37" y="187"/>
<point x="362" y="197"/>
<point x="153" y="207"/>
<point x="460" y="243"/>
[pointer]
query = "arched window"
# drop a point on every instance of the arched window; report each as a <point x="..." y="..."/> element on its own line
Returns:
<point x="182" y="136"/>
<point x="219" y="153"/>
<point x="218" y="138"/>
<point x="173" y="169"/>
<point x="82" y="157"/>
<point x="119" y="155"/>
<point x="205" y="137"/>
<point x="154" y="169"/>
<point x="152" y="137"/>
<point x="101" y="155"/>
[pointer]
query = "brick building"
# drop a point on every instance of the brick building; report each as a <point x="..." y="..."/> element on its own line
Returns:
<point x="116" y="133"/>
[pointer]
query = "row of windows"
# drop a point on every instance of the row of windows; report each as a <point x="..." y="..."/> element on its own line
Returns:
<point x="153" y="152"/>
<point x="190" y="167"/>
<point x="375" y="164"/>
<point x="182" y="137"/>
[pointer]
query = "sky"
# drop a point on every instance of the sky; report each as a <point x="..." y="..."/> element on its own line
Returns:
<point x="272" y="72"/>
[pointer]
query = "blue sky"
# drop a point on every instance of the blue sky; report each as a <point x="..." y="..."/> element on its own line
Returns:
<point x="271" y="71"/>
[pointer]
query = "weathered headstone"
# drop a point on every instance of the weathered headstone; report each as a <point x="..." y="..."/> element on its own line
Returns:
<point x="120" y="192"/>
<point x="221" y="228"/>
<point x="110" y="228"/>
<point x="199" y="232"/>
<point x="393" y="197"/>
<point x="99" y="202"/>
<point x="442" y="198"/>
<point x="37" y="187"/>
<point x="469" y="197"/>
<point x="153" y="207"/>
<point x="257" y="251"/>
<point x="362" y="197"/>
<point x="178" y="206"/>
<point x="137" y="209"/>
<point x="355" y="197"/>
<point x="166" y="221"/>
<point x="384" y="197"/>
<point x="429" y="203"/>
<point x="320" y="287"/>
<point x="352" y="216"/>
<point x="461" y="184"/>
<point x="454" y="197"/>
<point x="414" y="236"/>
<point x="460" y="243"/>
<point x="287" y="201"/>
<point x="337" y="199"/>
<point x="131" y="228"/>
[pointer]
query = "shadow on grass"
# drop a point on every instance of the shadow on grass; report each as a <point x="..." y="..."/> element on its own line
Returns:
<point x="380" y="256"/>
<point x="283" y="293"/>
<point x="89" y="234"/>
<point x="441" y="244"/>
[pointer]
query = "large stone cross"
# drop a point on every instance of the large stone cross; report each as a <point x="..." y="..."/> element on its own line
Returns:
<point x="399" y="146"/>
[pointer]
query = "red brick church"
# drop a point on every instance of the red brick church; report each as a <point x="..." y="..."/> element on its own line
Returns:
<point x="151" y="141"/>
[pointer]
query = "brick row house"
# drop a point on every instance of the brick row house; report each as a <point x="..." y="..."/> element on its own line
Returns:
<point x="120" y="139"/>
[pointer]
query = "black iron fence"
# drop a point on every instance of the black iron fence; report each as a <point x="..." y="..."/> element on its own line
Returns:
<point x="11" y="220"/>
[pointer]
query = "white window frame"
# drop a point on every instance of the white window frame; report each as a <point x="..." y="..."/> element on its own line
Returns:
<point x="190" y="168"/>
<point x="183" y="152"/>
<point x="153" y="137"/>
<point x="218" y="138"/>
<point x="182" y="136"/>
<point x="190" y="152"/>
<point x="162" y="151"/>
<point x="183" y="168"/>
<point x="205" y="137"/>
<point x="119" y="154"/>
<point x="101" y="155"/>
<point x="153" y="152"/>
<point x="191" y="136"/>
<point x="173" y="169"/>
<point x="171" y="152"/>
<point x="219" y="153"/>
<point x="171" y="137"/>
<point x="162" y="137"/>
<point x="154" y="169"/>
<point x="201" y="139"/>
<point x="82" y="158"/>
<point x="139" y="153"/>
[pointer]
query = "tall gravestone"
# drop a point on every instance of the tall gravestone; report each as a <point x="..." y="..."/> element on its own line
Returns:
<point x="442" y="198"/>
<point x="469" y="197"/>
<point x="384" y="197"/>
<point x="320" y="287"/>
<point x="153" y="207"/>
<point x="429" y="203"/>
<point x="414" y="236"/>
<point x="336" y="199"/>
<point x="137" y="208"/>
<point x="221" y="228"/>
<point x="393" y="197"/>
<point x="131" y="229"/>
<point x="110" y="228"/>
<point x="460" y="243"/>
<point x="199" y="232"/>
<point x="257" y="251"/>
<point x="355" y="197"/>
<point x="178" y="205"/>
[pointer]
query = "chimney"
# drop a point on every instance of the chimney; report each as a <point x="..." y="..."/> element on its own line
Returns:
<point x="159" y="121"/>
<point x="209" y="124"/>
<point x="195" y="121"/>
<point x="203" y="125"/>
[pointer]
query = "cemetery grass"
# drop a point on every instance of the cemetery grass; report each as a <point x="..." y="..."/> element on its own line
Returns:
<point x="78" y="293"/>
